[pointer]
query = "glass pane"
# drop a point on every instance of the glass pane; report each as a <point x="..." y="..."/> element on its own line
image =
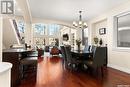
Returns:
<point x="123" y="31"/>
<point x="39" y="29"/>
<point x="21" y="26"/>
<point x="53" y="29"/>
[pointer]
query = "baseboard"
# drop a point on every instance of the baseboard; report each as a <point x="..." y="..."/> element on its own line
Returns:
<point x="126" y="70"/>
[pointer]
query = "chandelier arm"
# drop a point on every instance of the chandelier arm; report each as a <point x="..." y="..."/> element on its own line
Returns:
<point x="81" y="24"/>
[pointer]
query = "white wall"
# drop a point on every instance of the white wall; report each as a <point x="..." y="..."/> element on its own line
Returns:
<point x="66" y="30"/>
<point x="118" y="59"/>
<point x="97" y="26"/>
<point x="1" y="38"/>
<point x="9" y="34"/>
<point x="38" y="20"/>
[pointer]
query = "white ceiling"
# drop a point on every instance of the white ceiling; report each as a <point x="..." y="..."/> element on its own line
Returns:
<point x="67" y="10"/>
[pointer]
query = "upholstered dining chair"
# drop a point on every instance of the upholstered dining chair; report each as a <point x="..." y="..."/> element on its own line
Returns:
<point x="54" y="51"/>
<point x="72" y="63"/>
<point x="46" y="48"/>
<point x="87" y="48"/>
<point x="63" y="52"/>
<point x="97" y="61"/>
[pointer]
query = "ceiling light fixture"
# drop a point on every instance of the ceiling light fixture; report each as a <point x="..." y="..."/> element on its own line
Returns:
<point x="80" y="24"/>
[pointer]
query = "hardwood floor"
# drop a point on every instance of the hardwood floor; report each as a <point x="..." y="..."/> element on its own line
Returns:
<point x="51" y="73"/>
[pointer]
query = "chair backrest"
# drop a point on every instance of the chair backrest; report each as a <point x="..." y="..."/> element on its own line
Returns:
<point x="99" y="56"/>
<point x="68" y="54"/>
<point x="87" y="48"/>
<point x="92" y="48"/>
<point x="63" y="52"/>
<point x="54" y="51"/>
<point x="40" y="52"/>
<point x="46" y="48"/>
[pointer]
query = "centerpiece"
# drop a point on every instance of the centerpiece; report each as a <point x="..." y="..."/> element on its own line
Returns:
<point x="96" y="41"/>
<point x="78" y="42"/>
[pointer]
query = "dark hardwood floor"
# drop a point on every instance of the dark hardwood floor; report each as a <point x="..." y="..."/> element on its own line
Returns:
<point x="51" y="73"/>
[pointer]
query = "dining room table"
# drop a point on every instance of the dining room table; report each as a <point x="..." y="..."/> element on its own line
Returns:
<point x="81" y="54"/>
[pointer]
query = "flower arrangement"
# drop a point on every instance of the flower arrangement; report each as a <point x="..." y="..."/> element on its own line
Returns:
<point x="78" y="41"/>
<point x="95" y="40"/>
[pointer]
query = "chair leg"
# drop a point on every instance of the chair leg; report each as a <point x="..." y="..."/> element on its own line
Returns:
<point x="21" y="71"/>
<point x="102" y="71"/>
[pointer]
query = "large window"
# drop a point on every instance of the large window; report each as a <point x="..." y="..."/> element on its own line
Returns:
<point x="39" y="41"/>
<point x="39" y="29"/>
<point x="46" y="34"/>
<point x="21" y="26"/>
<point x="123" y="30"/>
<point x="53" y="29"/>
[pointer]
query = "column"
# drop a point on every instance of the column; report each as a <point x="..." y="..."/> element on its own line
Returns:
<point x="1" y="38"/>
<point x="28" y="33"/>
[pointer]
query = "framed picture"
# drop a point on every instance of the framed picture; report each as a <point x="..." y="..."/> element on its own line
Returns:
<point x="65" y="37"/>
<point x="102" y="31"/>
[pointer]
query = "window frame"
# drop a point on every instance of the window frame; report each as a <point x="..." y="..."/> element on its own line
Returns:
<point x="49" y="27"/>
<point x="44" y="30"/>
<point x="115" y="33"/>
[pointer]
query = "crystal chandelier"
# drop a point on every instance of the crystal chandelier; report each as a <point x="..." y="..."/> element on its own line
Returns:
<point x="80" y="24"/>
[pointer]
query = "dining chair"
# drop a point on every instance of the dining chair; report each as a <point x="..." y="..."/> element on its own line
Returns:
<point x="63" y="52"/>
<point x="54" y="51"/>
<point x="87" y="48"/>
<point x="72" y="63"/>
<point x="63" y="56"/>
<point x="97" y="61"/>
<point x="47" y="48"/>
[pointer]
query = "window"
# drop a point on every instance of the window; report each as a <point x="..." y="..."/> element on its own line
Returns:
<point x="39" y="29"/>
<point x="40" y="42"/>
<point x="53" y="29"/>
<point x="21" y="26"/>
<point x="123" y="30"/>
<point x="46" y="34"/>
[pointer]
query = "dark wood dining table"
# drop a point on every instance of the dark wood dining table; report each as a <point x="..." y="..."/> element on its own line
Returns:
<point x="81" y="54"/>
<point x="81" y="51"/>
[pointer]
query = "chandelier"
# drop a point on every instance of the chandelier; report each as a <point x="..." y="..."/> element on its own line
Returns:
<point x="80" y="24"/>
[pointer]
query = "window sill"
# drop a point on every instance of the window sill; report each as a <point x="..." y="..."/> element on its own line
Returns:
<point x="121" y="49"/>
